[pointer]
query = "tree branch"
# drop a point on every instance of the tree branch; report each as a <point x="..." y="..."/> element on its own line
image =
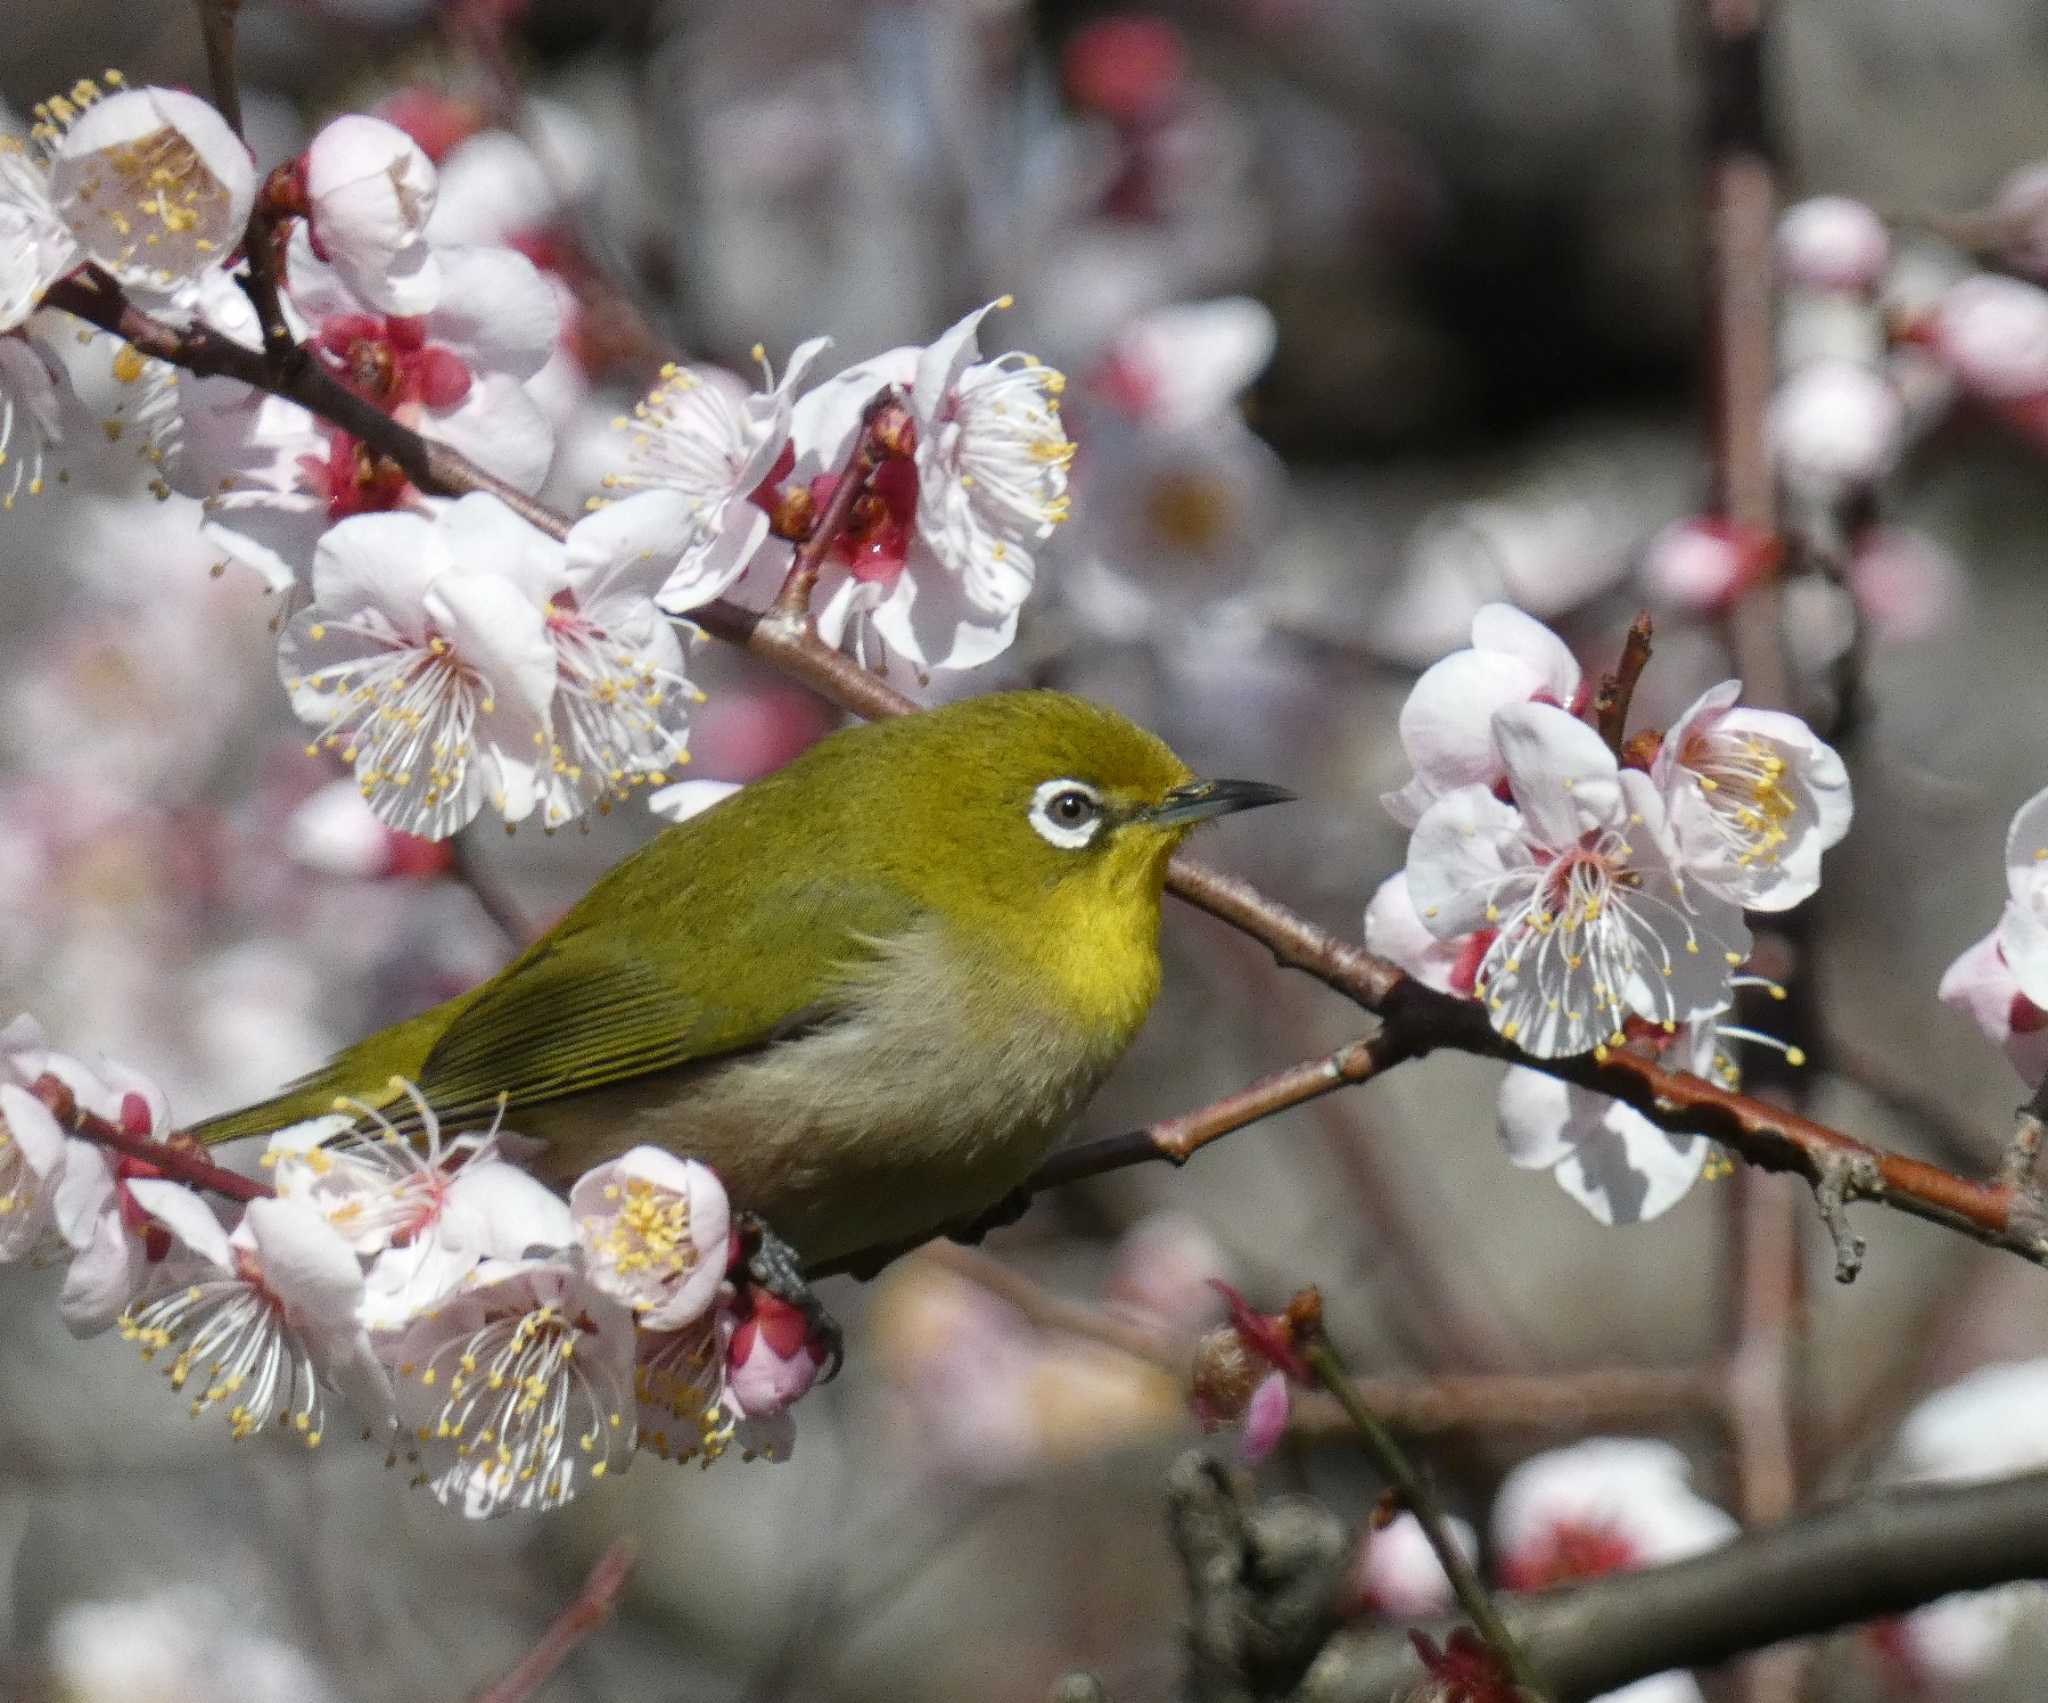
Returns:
<point x="1879" y="1554"/>
<point x="584" y="1613"/>
<point x="178" y="1158"/>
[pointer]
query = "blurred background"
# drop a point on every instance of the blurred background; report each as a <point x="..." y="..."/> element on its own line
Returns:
<point x="1374" y="310"/>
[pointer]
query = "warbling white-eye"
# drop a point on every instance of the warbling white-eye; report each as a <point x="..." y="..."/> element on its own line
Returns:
<point x="869" y="990"/>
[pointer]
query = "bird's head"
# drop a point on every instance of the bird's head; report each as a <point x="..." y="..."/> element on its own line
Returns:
<point x="1051" y="810"/>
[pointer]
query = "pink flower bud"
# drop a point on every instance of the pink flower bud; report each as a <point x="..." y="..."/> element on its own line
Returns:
<point x="371" y="190"/>
<point x="1702" y="564"/>
<point x="774" y="1356"/>
<point x="1127" y="67"/>
<point x="1832" y="243"/>
<point x="1994" y="332"/>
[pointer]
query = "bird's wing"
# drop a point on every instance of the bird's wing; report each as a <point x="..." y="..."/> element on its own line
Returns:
<point x="587" y="1009"/>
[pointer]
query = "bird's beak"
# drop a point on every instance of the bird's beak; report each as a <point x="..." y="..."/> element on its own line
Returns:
<point x="1197" y="801"/>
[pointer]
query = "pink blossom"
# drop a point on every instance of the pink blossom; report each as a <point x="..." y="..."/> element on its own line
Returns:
<point x="1993" y="331"/>
<point x="655" y="1232"/>
<point x="1832" y="243"/>
<point x="773" y="1357"/>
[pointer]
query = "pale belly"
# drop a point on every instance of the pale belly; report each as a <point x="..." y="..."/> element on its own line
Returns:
<point x="879" y="1129"/>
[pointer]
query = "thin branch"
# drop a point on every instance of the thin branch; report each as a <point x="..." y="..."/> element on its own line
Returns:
<point x="1593" y="1400"/>
<point x="178" y="1158"/>
<point x="217" y="19"/>
<point x="793" y="601"/>
<point x="1419" y="1500"/>
<point x="585" y="1612"/>
<point x="1879" y="1554"/>
<point x="2023" y="1153"/>
<point x="1618" y="690"/>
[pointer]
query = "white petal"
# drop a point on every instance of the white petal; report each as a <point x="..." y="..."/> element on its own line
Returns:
<point x="2026" y="847"/>
<point x="381" y="562"/>
<point x="2023" y="940"/>
<point x="1540" y="1123"/>
<point x="715" y="559"/>
<point x="680" y="800"/>
<point x="29" y="1124"/>
<point x="496" y="630"/>
<point x="1447" y="722"/>
<point x="182" y="1212"/>
<point x="517" y="1211"/>
<point x="498" y="425"/>
<point x="1502" y="628"/>
<point x="101" y="1279"/>
<point x="634" y="542"/>
<point x="1561" y="772"/>
<point x="1395" y="929"/>
<point x="306" y="1263"/>
<point x="1466" y="841"/>
<point x="939" y="367"/>
<point x="497" y="310"/>
<point x="1625" y="1170"/>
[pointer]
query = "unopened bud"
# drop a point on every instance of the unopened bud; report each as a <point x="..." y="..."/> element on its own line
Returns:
<point x="795" y="514"/>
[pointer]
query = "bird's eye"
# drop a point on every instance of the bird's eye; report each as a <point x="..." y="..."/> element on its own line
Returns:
<point x="1066" y="813"/>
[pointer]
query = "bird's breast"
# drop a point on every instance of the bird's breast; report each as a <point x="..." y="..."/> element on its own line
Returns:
<point x="937" y="1084"/>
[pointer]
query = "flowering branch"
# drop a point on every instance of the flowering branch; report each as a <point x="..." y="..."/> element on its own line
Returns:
<point x="178" y="1157"/>
<point x="1840" y="1167"/>
<point x="586" y="1611"/>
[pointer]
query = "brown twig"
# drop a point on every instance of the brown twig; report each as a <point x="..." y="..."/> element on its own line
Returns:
<point x="178" y="1157"/>
<point x="793" y="602"/>
<point x="1618" y="690"/>
<point x="586" y="1611"/>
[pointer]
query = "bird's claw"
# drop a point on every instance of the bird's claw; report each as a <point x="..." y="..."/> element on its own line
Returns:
<point x="772" y="1264"/>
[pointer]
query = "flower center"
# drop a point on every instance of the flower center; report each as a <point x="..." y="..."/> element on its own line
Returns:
<point x="1743" y="779"/>
<point x="389" y="361"/>
<point x="651" y="1232"/>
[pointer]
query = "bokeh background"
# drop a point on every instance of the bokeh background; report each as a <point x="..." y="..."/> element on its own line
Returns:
<point x="1475" y="225"/>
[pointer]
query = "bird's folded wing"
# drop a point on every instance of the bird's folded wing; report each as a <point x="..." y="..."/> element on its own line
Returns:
<point x="585" y="1010"/>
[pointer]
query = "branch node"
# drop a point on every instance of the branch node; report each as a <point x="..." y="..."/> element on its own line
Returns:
<point x="2023" y="1151"/>
<point x="1844" y="1177"/>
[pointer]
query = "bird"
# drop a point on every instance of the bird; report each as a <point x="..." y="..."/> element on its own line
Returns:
<point x="869" y="989"/>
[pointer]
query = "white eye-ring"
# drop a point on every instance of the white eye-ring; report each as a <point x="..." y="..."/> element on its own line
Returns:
<point x="1067" y="813"/>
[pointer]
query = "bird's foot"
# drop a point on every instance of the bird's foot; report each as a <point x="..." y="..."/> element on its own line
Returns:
<point x="772" y="1264"/>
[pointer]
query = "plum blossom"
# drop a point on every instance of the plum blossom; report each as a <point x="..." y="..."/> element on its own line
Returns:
<point x="1993" y="332"/>
<point x="1397" y="1573"/>
<point x="655" y="1232"/>
<point x="370" y="192"/>
<point x="333" y="832"/>
<point x="697" y="434"/>
<point x="2002" y="981"/>
<point x="33" y="394"/>
<point x="944" y="558"/>
<point x="1831" y="242"/>
<point x="1835" y="425"/>
<point x="32" y="1143"/>
<point x="1446" y="723"/>
<point x="424" y="1212"/>
<point x="1703" y="563"/>
<point x="1754" y="798"/>
<point x="1607" y="1156"/>
<point x="152" y="182"/>
<point x="273" y="478"/>
<point x="36" y="246"/>
<point x="1984" y="1426"/>
<point x="1607" y="1505"/>
<point x="620" y="713"/>
<point x="1589" y="916"/>
<point x="424" y="666"/>
<point x="270" y="1321"/>
<point x="517" y="1388"/>
<point x="120" y="1248"/>
<point x="1395" y="930"/>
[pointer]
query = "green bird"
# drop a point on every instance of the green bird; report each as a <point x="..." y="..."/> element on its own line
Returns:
<point x="868" y="990"/>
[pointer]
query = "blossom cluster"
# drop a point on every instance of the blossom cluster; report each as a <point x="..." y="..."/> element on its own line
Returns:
<point x="513" y="1346"/>
<point x="1592" y="898"/>
<point x="455" y="657"/>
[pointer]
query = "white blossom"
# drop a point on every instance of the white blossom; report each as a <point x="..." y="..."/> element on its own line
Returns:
<point x="1835" y="425"/>
<point x="36" y="246"/>
<point x="152" y="182"/>
<point x="942" y="569"/>
<point x="1754" y="798"/>
<point x="269" y="1324"/>
<point x="2002" y="981"/>
<point x="424" y="1212"/>
<point x="699" y="434"/>
<point x="1831" y="242"/>
<point x="1994" y="332"/>
<point x="517" y="1388"/>
<point x="32" y="1143"/>
<point x="655" y="1232"/>
<point x="33" y="391"/>
<point x="1446" y="723"/>
<point x="425" y="666"/>
<point x="1606" y="1505"/>
<point x="371" y="192"/>
<point x="1590" y="921"/>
